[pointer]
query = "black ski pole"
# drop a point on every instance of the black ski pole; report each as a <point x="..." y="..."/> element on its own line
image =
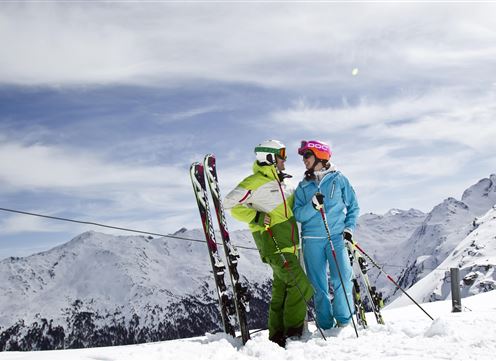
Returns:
<point x="257" y="331"/>
<point x="324" y="219"/>
<point x="388" y="277"/>
<point x="286" y="265"/>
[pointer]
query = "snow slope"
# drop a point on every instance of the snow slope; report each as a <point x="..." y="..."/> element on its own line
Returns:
<point x="408" y="334"/>
<point x="432" y="237"/>
<point x="480" y="195"/>
<point x="443" y="228"/>
<point x="475" y="256"/>
<point x="385" y="238"/>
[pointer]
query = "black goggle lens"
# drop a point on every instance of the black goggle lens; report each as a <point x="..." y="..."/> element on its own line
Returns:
<point x="307" y="154"/>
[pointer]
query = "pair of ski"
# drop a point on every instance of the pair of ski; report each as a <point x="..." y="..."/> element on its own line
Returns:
<point x="359" y="265"/>
<point x="237" y="306"/>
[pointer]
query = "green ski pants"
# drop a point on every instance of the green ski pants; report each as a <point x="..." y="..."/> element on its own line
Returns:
<point x="288" y="309"/>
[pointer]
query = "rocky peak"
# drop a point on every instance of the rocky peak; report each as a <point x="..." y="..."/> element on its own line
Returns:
<point x="481" y="196"/>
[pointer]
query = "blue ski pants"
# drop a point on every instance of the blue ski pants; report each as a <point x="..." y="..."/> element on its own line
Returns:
<point x="318" y="259"/>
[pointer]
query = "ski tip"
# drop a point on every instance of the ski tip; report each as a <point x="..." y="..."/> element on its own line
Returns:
<point x="195" y="170"/>
<point x="209" y="158"/>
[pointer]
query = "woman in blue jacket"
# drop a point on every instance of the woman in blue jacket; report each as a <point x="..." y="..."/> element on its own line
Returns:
<point x="324" y="185"/>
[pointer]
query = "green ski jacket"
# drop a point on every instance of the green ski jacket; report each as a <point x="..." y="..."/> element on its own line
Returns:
<point x="263" y="193"/>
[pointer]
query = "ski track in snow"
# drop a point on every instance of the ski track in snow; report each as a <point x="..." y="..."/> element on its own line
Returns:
<point x="408" y="335"/>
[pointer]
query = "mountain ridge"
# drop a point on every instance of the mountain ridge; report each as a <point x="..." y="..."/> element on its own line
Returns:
<point x="99" y="289"/>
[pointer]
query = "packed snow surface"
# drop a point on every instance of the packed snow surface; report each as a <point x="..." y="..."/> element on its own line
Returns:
<point x="408" y="334"/>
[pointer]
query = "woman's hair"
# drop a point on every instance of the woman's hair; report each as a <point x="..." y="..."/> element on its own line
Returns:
<point x="309" y="173"/>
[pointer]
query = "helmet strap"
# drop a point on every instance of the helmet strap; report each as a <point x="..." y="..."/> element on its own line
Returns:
<point x="309" y="173"/>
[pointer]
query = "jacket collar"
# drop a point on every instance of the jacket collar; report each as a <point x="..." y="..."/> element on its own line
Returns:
<point x="329" y="175"/>
<point x="270" y="171"/>
<point x="325" y="171"/>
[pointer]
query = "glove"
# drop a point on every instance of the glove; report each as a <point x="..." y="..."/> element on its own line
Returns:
<point x="318" y="201"/>
<point x="347" y="235"/>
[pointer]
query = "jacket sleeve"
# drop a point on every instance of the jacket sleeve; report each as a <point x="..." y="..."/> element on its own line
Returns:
<point x="243" y="213"/>
<point x="351" y="203"/>
<point x="237" y="202"/>
<point x="302" y="210"/>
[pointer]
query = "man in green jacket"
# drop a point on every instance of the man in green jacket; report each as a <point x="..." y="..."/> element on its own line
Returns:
<point x="265" y="202"/>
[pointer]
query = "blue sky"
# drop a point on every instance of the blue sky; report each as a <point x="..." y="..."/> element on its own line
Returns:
<point x="103" y="106"/>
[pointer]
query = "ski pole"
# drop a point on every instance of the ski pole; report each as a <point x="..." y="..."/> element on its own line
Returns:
<point x="286" y="265"/>
<point x="324" y="219"/>
<point x="257" y="330"/>
<point x="388" y="276"/>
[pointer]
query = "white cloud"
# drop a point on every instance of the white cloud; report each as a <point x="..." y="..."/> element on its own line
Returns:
<point x="447" y="115"/>
<point x="345" y="117"/>
<point x="450" y="57"/>
<point x="400" y="149"/>
<point x="40" y="166"/>
<point x="472" y="125"/>
<point x="192" y="113"/>
<point x="436" y="58"/>
<point x="267" y="43"/>
<point x="22" y="223"/>
<point x="120" y="190"/>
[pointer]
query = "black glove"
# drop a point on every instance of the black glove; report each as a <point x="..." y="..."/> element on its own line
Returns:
<point x="347" y="235"/>
<point x="318" y="201"/>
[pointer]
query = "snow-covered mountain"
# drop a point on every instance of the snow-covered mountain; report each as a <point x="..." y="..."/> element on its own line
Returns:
<point x="475" y="256"/>
<point x="100" y="289"/>
<point x="384" y="237"/>
<point x="444" y="228"/>
<point x="481" y="195"/>
<point x="414" y="244"/>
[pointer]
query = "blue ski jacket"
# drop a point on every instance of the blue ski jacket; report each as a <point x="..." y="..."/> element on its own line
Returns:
<point x="340" y="204"/>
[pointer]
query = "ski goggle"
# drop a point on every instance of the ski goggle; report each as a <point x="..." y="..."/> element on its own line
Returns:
<point x="307" y="154"/>
<point x="279" y="153"/>
<point x="282" y="153"/>
<point x="303" y="147"/>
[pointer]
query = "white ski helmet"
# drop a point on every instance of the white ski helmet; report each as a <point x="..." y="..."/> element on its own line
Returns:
<point x="266" y="151"/>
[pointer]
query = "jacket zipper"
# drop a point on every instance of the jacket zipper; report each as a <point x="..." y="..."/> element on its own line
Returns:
<point x="282" y="194"/>
<point x="286" y="210"/>
<point x="333" y="186"/>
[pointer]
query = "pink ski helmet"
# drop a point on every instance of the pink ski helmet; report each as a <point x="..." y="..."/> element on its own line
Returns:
<point x="319" y="149"/>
